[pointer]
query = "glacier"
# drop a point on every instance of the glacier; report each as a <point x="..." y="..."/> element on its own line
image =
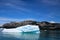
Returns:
<point x="26" y="28"/>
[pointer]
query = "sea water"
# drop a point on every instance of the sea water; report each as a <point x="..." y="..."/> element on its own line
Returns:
<point x="28" y="32"/>
<point x="46" y="35"/>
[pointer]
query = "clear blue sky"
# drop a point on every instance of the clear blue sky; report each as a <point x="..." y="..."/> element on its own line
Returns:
<point x="40" y="10"/>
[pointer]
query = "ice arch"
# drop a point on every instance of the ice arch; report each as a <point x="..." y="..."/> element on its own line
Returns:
<point x="26" y="28"/>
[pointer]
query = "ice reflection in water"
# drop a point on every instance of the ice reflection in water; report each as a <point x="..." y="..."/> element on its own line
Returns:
<point x="22" y="36"/>
<point x="48" y="35"/>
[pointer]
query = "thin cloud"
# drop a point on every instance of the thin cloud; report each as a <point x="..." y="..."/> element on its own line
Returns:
<point x="18" y="7"/>
<point x="52" y="21"/>
<point x="51" y="2"/>
<point x="18" y="4"/>
<point x="51" y="15"/>
<point x="5" y="20"/>
<point x="12" y="19"/>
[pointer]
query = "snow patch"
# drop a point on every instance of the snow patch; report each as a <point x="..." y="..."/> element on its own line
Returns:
<point x="52" y="22"/>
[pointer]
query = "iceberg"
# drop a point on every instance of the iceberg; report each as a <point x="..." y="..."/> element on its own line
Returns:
<point x="26" y="28"/>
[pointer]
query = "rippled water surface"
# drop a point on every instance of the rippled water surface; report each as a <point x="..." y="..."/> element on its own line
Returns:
<point x="48" y="35"/>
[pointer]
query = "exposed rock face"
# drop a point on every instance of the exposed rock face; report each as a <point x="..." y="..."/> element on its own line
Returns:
<point x="42" y="25"/>
<point x="17" y="24"/>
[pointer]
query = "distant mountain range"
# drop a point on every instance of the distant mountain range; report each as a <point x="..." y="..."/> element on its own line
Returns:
<point x="44" y="25"/>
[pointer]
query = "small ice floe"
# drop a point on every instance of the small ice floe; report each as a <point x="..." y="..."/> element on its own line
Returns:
<point x="45" y="30"/>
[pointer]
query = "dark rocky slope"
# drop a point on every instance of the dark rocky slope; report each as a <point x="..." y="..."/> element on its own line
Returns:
<point x="42" y="25"/>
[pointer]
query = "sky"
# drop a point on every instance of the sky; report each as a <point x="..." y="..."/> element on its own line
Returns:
<point x="39" y="10"/>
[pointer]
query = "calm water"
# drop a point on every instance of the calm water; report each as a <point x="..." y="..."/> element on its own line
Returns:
<point x="48" y="35"/>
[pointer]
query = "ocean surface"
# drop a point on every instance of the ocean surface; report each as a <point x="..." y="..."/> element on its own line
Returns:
<point x="43" y="35"/>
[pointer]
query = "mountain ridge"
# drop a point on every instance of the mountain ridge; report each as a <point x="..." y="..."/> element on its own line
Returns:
<point x="44" y="25"/>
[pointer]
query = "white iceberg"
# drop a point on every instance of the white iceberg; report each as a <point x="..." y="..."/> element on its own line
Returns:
<point x="26" y="28"/>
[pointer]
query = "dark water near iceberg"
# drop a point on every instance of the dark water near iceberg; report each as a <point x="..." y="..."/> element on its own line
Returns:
<point x="48" y="35"/>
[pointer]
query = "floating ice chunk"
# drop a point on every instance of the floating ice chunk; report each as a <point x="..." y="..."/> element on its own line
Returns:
<point x="11" y="30"/>
<point x="26" y="28"/>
